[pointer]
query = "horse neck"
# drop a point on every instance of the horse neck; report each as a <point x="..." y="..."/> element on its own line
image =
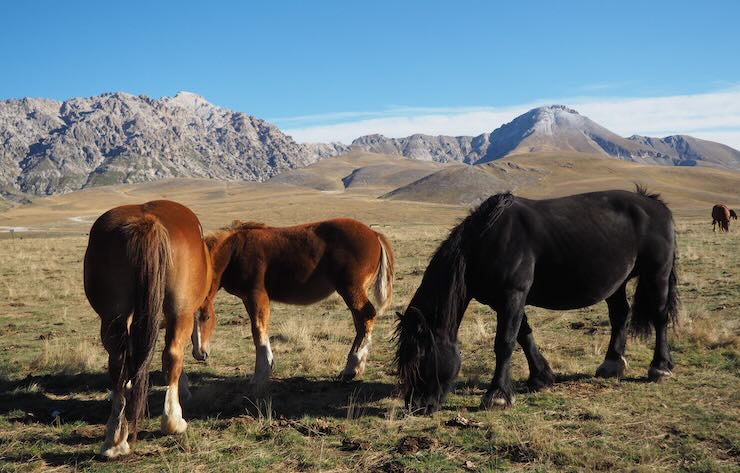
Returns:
<point x="443" y="295"/>
<point x="221" y="254"/>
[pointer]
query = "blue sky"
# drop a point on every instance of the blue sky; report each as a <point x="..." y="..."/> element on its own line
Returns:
<point x="328" y="69"/>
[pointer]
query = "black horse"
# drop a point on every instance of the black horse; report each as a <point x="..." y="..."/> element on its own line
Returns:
<point x="560" y="254"/>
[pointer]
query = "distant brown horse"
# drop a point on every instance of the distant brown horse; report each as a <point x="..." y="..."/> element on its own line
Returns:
<point x="300" y="265"/>
<point x="721" y="215"/>
<point x="145" y="265"/>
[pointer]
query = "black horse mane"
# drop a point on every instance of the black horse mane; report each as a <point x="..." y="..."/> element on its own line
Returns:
<point x="640" y="326"/>
<point x="642" y="190"/>
<point x="445" y="284"/>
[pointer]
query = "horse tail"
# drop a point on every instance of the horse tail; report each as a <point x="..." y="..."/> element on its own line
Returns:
<point x="672" y="305"/>
<point x="149" y="251"/>
<point x="382" y="287"/>
<point x="641" y="317"/>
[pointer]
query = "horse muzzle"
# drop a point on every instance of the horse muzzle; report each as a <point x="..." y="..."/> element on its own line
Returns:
<point x="200" y="355"/>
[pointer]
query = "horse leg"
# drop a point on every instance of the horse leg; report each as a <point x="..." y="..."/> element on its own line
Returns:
<point x="651" y="296"/>
<point x="509" y="318"/>
<point x="540" y="373"/>
<point x="258" y="307"/>
<point x="614" y="363"/>
<point x="176" y="337"/>
<point x="113" y="335"/>
<point x="363" y="314"/>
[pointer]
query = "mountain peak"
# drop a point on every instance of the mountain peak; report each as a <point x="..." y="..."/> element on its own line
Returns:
<point x="555" y="108"/>
<point x="189" y="100"/>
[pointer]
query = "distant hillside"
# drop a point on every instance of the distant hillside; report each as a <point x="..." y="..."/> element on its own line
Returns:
<point x="49" y="147"/>
<point x="462" y="184"/>
<point x="551" y="174"/>
<point x="358" y="170"/>
<point x="555" y="128"/>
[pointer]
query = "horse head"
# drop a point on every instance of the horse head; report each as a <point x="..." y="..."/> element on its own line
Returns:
<point x="205" y="315"/>
<point x="428" y="361"/>
<point x="205" y="322"/>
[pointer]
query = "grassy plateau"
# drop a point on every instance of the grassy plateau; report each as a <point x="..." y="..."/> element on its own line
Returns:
<point x="53" y="381"/>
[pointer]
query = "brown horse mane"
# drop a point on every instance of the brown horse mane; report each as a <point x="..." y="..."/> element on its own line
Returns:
<point x="238" y="226"/>
<point x="220" y="235"/>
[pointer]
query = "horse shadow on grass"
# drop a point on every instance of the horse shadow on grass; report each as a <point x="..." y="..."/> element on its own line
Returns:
<point x="82" y="398"/>
<point x="289" y="398"/>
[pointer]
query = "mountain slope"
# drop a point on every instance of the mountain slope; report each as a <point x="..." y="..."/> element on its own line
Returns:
<point x="555" y="128"/>
<point x="50" y="147"/>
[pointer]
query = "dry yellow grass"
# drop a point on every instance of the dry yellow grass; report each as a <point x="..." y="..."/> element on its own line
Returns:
<point x="51" y="361"/>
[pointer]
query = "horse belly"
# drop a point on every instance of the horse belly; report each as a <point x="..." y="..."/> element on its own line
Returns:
<point x="563" y="290"/>
<point x="310" y="291"/>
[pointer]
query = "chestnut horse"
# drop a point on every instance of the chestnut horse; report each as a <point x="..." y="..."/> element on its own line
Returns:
<point x="145" y="266"/>
<point x="300" y="265"/>
<point x="721" y="215"/>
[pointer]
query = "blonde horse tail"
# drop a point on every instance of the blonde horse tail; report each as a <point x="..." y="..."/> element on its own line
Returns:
<point x="382" y="290"/>
<point x="150" y="253"/>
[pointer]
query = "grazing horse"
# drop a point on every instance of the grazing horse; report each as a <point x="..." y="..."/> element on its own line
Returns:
<point x="721" y="214"/>
<point x="145" y="265"/>
<point x="559" y="254"/>
<point x="733" y="215"/>
<point x="301" y="265"/>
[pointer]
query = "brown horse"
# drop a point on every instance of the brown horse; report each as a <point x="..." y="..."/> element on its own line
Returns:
<point x="145" y="266"/>
<point x="300" y="265"/>
<point x="721" y="215"/>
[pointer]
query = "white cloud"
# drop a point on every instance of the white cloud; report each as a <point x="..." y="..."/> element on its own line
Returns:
<point x="714" y="116"/>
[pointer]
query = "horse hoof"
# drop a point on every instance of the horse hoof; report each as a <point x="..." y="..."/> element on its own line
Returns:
<point x="346" y="377"/>
<point x="611" y="369"/>
<point x="538" y="383"/>
<point x="496" y="400"/>
<point x="113" y="451"/>
<point x="657" y="375"/>
<point x="172" y="426"/>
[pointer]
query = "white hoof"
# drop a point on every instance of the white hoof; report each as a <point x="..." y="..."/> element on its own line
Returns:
<point x="172" y="426"/>
<point x="499" y="401"/>
<point x="495" y="401"/>
<point x="355" y="367"/>
<point x="658" y="375"/>
<point x="113" y="451"/>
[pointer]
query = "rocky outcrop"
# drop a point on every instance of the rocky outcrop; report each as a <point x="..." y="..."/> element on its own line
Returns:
<point x="49" y="147"/>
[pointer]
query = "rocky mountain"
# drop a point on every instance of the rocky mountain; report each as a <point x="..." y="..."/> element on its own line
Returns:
<point x="441" y="149"/>
<point x="51" y="147"/>
<point x="555" y="128"/>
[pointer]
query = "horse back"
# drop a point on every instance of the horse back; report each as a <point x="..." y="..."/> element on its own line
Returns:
<point x="575" y="251"/>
